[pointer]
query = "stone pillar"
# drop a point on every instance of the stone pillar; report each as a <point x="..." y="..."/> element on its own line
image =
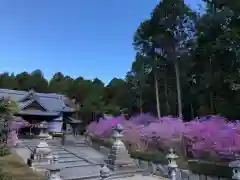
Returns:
<point x="87" y="138"/>
<point x="118" y="157"/>
<point x="235" y="165"/>
<point x="104" y="172"/>
<point x="172" y="164"/>
<point x="49" y="158"/>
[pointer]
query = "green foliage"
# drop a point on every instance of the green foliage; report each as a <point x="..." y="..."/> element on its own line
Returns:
<point x="56" y="134"/>
<point x="8" y="107"/>
<point x="101" y="142"/>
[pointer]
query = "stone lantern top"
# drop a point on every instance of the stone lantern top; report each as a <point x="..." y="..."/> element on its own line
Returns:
<point x="235" y="164"/>
<point x="118" y="128"/>
<point x="117" y="131"/>
<point x="172" y="157"/>
<point x="42" y="148"/>
<point x="42" y="144"/>
<point x="104" y="172"/>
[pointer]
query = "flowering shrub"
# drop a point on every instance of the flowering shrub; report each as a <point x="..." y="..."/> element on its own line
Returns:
<point x="211" y="136"/>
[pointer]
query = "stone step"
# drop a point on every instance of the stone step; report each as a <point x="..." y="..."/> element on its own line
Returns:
<point x="94" y="176"/>
<point x="114" y="175"/>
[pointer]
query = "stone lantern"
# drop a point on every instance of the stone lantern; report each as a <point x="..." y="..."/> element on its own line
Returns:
<point x="172" y="164"/>
<point x="235" y="165"/>
<point x="42" y="150"/>
<point x="41" y="155"/>
<point x="118" y="157"/>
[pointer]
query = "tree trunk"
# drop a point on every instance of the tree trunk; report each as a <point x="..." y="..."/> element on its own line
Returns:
<point x="179" y="97"/>
<point x="157" y="95"/>
<point x="212" y="107"/>
<point x="192" y="110"/>
<point x="140" y="103"/>
<point x="166" y="94"/>
<point x="63" y="138"/>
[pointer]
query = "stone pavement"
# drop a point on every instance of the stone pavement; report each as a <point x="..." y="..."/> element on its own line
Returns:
<point x="77" y="160"/>
<point x="141" y="177"/>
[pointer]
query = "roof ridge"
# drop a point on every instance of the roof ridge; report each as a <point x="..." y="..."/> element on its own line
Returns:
<point x="56" y="96"/>
<point x="12" y="91"/>
<point x="21" y="92"/>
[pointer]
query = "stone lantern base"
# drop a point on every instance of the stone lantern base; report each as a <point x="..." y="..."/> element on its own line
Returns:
<point x="120" y="161"/>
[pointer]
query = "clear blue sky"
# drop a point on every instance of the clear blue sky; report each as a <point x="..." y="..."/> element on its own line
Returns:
<point x="89" y="38"/>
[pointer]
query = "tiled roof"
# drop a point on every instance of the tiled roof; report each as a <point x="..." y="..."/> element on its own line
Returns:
<point x="50" y="101"/>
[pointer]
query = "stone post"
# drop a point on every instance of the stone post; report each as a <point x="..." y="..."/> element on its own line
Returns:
<point x="118" y="156"/>
<point x="55" y="159"/>
<point x="172" y="164"/>
<point x="235" y="165"/>
<point x="104" y="172"/>
<point x="54" y="173"/>
<point x="49" y="158"/>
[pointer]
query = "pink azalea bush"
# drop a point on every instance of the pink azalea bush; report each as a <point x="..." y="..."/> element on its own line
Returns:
<point x="212" y="136"/>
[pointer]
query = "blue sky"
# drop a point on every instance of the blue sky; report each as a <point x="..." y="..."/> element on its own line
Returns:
<point x="88" y="38"/>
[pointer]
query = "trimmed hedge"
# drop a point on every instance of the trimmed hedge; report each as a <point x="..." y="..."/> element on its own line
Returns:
<point x="101" y="142"/>
<point x="210" y="168"/>
<point x="56" y="134"/>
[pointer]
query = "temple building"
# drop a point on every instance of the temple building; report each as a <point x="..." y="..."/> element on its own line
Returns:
<point x="37" y="107"/>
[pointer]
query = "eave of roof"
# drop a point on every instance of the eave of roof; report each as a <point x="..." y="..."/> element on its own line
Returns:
<point x="73" y="121"/>
<point x="38" y="113"/>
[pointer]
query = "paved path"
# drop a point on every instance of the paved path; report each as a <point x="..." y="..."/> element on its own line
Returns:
<point x="73" y="166"/>
<point x="141" y="177"/>
<point x="78" y="160"/>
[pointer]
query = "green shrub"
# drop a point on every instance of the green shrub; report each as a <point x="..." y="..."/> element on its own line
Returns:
<point x="56" y="134"/>
<point x="210" y="168"/>
<point x="149" y="156"/>
<point x="4" y="150"/>
<point x="101" y="142"/>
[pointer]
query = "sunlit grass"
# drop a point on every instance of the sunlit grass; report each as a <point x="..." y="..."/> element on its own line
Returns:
<point x="13" y="167"/>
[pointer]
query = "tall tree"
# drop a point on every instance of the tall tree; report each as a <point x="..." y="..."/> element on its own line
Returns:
<point x="176" y="23"/>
